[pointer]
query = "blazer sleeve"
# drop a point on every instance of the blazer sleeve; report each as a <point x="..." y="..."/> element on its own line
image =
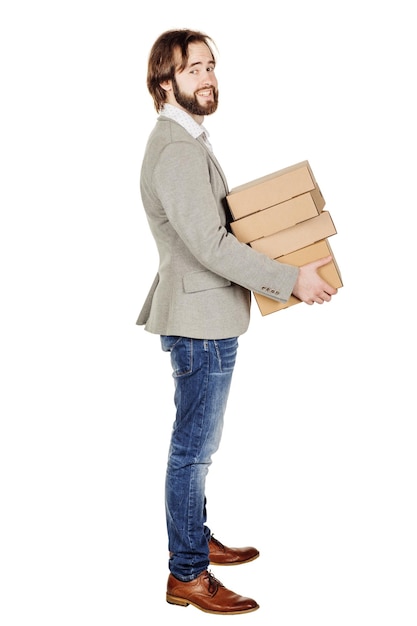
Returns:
<point x="181" y="179"/>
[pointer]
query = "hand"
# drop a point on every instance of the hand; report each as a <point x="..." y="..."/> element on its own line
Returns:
<point x="310" y="287"/>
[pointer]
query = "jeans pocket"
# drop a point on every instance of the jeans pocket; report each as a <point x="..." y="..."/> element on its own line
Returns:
<point x="181" y="350"/>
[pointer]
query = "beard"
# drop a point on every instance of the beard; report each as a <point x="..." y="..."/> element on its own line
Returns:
<point x="191" y="104"/>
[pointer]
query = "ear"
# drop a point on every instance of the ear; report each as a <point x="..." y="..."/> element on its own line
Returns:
<point x="166" y="84"/>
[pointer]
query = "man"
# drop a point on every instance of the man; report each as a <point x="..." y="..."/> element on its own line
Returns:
<point x="199" y="304"/>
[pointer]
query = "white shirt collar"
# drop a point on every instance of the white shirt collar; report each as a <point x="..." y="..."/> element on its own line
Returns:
<point x="184" y="119"/>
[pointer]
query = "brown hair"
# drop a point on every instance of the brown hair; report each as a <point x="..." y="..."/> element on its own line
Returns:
<point x="161" y="63"/>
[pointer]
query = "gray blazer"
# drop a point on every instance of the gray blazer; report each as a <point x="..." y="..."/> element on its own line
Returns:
<point x="205" y="275"/>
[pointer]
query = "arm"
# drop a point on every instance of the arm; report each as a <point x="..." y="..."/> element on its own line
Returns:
<point x="191" y="201"/>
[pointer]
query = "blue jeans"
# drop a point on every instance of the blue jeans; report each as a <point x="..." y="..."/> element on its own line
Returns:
<point x="202" y="372"/>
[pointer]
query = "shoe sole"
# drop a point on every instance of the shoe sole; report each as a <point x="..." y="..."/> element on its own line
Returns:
<point x="235" y="562"/>
<point x="182" y="602"/>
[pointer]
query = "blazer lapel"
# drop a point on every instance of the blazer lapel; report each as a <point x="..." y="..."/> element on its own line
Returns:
<point x="215" y="161"/>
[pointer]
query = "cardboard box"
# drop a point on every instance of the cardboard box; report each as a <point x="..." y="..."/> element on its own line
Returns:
<point x="278" y="217"/>
<point x="296" y="237"/>
<point x="273" y="189"/>
<point x="330" y="273"/>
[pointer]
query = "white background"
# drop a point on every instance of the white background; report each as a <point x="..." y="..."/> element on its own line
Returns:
<point x="317" y="466"/>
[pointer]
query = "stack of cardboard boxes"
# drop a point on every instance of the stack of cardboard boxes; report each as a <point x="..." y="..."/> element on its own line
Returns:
<point x="282" y="216"/>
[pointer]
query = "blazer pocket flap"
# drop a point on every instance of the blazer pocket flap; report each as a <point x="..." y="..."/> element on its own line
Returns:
<point x="200" y="281"/>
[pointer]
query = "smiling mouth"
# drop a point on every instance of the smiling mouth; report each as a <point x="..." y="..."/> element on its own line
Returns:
<point x="205" y="93"/>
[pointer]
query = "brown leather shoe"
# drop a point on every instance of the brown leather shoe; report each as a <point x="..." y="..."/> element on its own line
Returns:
<point x="222" y="555"/>
<point x="209" y="595"/>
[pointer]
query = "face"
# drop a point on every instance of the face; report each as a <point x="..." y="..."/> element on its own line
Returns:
<point x="195" y="88"/>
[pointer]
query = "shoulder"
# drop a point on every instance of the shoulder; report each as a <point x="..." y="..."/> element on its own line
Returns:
<point x="171" y="131"/>
<point x="171" y="144"/>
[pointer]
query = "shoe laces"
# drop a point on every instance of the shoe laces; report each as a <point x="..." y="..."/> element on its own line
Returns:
<point x="217" y="542"/>
<point x="213" y="583"/>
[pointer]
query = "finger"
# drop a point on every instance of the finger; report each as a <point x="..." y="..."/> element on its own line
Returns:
<point x="324" y="261"/>
<point x="328" y="290"/>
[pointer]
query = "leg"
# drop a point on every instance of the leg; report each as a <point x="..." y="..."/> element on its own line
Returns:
<point x="202" y="371"/>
